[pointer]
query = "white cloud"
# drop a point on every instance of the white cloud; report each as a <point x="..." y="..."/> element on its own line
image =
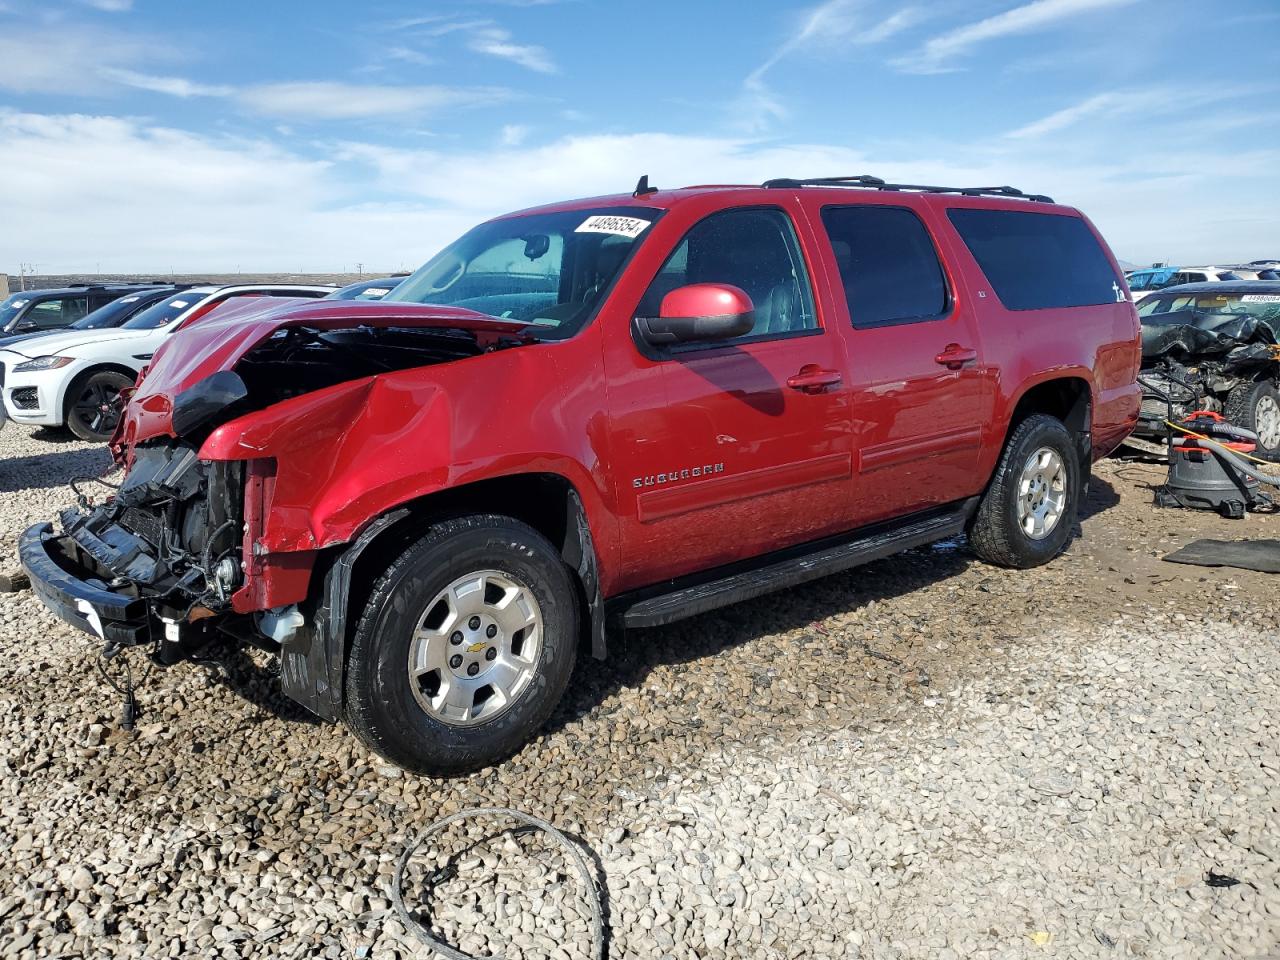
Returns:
<point x="110" y="6"/>
<point x="514" y="134"/>
<point x="332" y="100"/>
<point x="835" y="25"/>
<point x="1065" y="117"/>
<point x="156" y="197"/>
<point x="1148" y="102"/>
<point x="67" y="60"/>
<point x="173" y="86"/>
<point x="936" y="54"/>
<point x="497" y="42"/>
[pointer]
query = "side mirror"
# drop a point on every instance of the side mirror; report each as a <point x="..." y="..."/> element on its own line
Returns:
<point x="697" y="313"/>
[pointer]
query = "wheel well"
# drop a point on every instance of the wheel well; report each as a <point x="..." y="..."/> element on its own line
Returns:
<point x="84" y="375"/>
<point x="1070" y="400"/>
<point x="547" y="502"/>
<point x="1066" y="398"/>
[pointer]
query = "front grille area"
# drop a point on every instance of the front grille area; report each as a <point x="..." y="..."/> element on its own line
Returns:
<point x="24" y="398"/>
<point x="148" y="524"/>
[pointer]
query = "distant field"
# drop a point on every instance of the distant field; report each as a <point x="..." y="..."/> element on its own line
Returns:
<point x="44" y="281"/>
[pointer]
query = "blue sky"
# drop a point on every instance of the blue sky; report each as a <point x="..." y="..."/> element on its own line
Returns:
<point x="150" y="135"/>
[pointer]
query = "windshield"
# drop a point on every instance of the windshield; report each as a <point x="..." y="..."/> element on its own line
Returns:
<point x="366" y="290"/>
<point x="1264" y="306"/>
<point x="11" y="307"/>
<point x="164" y="312"/>
<point x="1150" y="279"/>
<point x="551" y="269"/>
<point x="112" y="314"/>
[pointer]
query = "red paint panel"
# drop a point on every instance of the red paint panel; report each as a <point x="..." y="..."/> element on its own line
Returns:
<point x="692" y="495"/>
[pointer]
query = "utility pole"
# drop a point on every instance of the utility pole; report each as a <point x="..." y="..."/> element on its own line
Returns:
<point x="360" y="271"/>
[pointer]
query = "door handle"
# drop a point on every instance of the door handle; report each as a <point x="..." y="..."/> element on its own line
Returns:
<point x="813" y="379"/>
<point x="954" y="356"/>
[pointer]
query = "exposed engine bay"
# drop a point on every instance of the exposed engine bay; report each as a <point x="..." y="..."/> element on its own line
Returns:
<point x="1205" y="351"/>
<point x="175" y="533"/>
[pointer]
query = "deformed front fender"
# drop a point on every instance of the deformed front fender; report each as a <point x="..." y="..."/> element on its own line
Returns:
<point x="313" y="659"/>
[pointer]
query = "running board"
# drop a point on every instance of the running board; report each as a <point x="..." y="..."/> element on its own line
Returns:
<point x="789" y="568"/>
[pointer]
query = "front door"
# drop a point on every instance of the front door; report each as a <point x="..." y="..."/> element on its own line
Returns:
<point x="732" y="449"/>
<point x="920" y="394"/>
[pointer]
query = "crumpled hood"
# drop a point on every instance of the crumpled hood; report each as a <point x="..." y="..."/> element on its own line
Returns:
<point x="220" y="341"/>
<point x="1189" y="333"/>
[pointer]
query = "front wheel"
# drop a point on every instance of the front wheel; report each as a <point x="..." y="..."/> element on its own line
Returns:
<point x="465" y="647"/>
<point x="1028" y="512"/>
<point x="94" y="405"/>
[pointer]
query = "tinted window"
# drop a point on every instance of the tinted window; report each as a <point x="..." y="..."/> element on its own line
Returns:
<point x="166" y="311"/>
<point x="1037" y="260"/>
<point x="754" y="250"/>
<point x="117" y="311"/>
<point x="888" y="266"/>
<point x="53" y="314"/>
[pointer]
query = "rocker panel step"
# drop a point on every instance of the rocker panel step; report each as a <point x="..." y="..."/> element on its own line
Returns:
<point x="790" y="569"/>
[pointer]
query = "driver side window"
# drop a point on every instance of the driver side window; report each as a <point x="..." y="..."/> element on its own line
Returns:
<point x="755" y="250"/>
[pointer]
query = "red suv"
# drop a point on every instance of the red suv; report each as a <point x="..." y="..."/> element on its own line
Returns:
<point x="596" y="415"/>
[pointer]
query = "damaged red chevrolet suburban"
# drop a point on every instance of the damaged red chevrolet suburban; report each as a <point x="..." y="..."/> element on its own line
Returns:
<point x="597" y="415"/>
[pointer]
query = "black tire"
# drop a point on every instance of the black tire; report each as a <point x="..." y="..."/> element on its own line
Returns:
<point x="996" y="534"/>
<point x="94" y="404"/>
<point x="381" y="705"/>
<point x="1255" y="407"/>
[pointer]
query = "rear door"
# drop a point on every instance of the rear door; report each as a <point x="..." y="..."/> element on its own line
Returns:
<point x="727" y="450"/>
<point x="920" y="392"/>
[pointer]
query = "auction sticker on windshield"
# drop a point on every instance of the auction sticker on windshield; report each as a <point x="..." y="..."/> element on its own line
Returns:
<point x="1261" y="298"/>
<point x="620" y="226"/>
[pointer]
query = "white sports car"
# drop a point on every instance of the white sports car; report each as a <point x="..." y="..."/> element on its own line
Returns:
<point x="75" y="378"/>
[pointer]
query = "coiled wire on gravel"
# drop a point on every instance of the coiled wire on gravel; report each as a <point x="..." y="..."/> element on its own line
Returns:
<point x="419" y="929"/>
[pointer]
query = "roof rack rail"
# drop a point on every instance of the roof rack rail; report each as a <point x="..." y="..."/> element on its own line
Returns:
<point x="875" y="183"/>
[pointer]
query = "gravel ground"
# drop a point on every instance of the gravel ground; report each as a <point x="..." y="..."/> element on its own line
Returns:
<point x="925" y="757"/>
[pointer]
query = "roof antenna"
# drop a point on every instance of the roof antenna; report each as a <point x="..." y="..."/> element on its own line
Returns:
<point x="642" y="187"/>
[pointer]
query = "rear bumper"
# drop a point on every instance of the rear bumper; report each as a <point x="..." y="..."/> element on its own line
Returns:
<point x="68" y="586"/>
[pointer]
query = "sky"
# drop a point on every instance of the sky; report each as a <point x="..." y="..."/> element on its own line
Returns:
<point x="147" y="135"/>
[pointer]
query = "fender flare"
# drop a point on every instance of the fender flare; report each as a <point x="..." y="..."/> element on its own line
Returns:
<point x="313" y="661"/>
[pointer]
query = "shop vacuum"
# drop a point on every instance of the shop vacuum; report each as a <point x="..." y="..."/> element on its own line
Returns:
<point x="1212" y="467"/>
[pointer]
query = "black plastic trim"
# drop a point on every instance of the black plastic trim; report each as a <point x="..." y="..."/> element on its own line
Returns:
<point x="688" y="596"/>
<point x="122" y="617"/>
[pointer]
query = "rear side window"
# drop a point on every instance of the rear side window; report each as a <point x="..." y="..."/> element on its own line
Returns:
<point x="1035" y="261"/>
<point x="888" y="265"/>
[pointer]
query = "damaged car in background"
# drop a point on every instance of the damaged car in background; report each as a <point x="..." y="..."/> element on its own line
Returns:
<point x="1213" y="346"/>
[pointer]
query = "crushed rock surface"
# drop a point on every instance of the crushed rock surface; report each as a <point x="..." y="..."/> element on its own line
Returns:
<point x="924" y="757"/>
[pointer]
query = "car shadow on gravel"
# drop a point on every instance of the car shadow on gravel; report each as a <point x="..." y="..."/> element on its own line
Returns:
<point x="45" y="470"/>
<point x="638" y="652"/>
<point x="233" y="668"/>
<point x="1102" y="497"/>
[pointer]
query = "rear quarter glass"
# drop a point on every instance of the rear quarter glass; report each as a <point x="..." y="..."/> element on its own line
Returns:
<point x="1037" y="261"/>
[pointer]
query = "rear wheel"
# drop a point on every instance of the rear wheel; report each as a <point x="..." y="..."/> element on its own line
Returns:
<point x="465" y="647"/>
<point x="94" y="405"/>
<point x="1256" y="407"/>
<point x="1028" y="512"/>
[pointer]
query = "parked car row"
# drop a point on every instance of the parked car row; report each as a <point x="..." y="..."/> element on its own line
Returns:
<point x="594" y="415"/>
<point x="70" y="352"/>
<point x="1147" y="280"/>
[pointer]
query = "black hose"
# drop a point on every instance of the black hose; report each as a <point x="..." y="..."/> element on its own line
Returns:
<point x="419" y="929"/>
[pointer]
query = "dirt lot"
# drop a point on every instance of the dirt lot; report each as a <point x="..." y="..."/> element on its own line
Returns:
<point x="925" y="757"/>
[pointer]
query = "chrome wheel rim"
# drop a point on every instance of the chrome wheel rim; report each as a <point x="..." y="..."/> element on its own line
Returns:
<point x="475" y="648"/>
<point x="1042" y="493"/>
<point x="1266" y="416"/>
